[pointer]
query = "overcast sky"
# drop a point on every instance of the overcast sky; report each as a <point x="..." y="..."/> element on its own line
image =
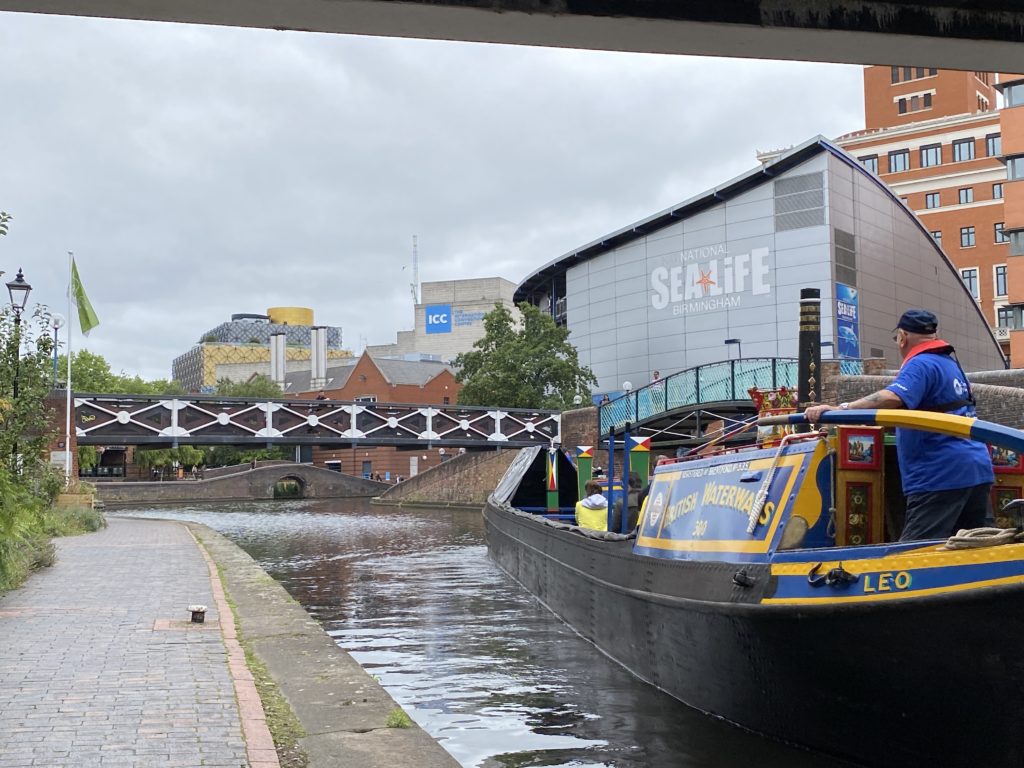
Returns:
<point x="200" y="171"/>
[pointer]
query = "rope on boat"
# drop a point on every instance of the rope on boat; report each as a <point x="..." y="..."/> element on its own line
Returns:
<point x="973" y="538"/>
<point x="762" y="493"/>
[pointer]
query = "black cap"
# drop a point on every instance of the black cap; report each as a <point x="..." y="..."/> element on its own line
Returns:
<point x="918" y="321"/>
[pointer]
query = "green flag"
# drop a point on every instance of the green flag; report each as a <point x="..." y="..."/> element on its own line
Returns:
<point x="87" y="318"/>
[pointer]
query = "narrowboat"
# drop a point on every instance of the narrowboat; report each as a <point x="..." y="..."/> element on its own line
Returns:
<point x="758" y="588"/>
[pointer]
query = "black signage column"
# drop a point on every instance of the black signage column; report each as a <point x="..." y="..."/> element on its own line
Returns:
<point x="809" y="366"/>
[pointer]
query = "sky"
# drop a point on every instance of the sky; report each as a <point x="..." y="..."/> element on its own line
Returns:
<point x="197" y="171"/>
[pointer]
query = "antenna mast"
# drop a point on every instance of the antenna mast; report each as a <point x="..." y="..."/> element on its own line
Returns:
<point x="415" y="287"/>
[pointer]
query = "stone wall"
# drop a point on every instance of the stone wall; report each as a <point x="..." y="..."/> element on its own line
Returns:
<point x="1001" y="404"/>
<point x="242" y="486"/>
<point x="466" y="480"/>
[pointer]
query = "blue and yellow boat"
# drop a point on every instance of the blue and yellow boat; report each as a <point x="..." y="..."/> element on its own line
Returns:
<point x="759" y="587"/>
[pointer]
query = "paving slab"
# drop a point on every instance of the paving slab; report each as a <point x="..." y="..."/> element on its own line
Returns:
<point x="98" y="666"/>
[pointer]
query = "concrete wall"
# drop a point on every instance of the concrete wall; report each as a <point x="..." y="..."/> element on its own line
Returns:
<point x="467" y="479"/>
<point x="242" y="486"/>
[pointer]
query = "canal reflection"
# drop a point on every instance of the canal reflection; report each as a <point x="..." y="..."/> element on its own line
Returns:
<point x="473" y="658"/>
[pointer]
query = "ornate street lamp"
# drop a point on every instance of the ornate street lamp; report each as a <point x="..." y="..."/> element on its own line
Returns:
<point x="19" y="291"/>
<point x="56" y="323"/>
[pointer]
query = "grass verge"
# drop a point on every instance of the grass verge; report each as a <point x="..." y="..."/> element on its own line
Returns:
<point x="285" y="728"/>
<point x="33" y="547"/>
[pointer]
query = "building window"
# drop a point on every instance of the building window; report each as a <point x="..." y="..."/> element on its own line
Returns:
<point x="997" y="191"/>
<point x="931" y="155"/>
<point x="932" y="72"/>
<point x="937" y="237"/>
<point x="919" y="72"/>
<point x="1017" y="243"/>
<point x="927" y="98"/>
<point x="931" y="200"/>
<point x="446" y="400"/>
<point x="902" y="106"/>
<point x="899" y="160"/>
<point x="1014" y="94"/>
<point x="993" y="145"/>
<point x="870" y="162"/>
<point x="365" y="399"/>
<point x="1000" y="275"/>
<point x="895" y="74"/>
<point x="1004" y="317"/>
<point x="966" y="237"/>
<point x="1015" y="168"/>
<point x="1000" y="235"/>
<point x="963" y="149"/>
<point x="970" y="278"/>
<point x="966" y="195"/>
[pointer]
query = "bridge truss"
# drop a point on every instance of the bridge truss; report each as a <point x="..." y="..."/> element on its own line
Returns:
<point x="211" y="420"/>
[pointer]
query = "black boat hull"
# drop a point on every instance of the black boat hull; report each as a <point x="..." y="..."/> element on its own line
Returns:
<point x="929" y="681"/>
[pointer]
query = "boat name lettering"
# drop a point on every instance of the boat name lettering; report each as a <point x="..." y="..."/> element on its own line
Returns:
<point x="732" y="496"/>
<point x="684" y="506"/>
<point x="714" y="284"/>
<point x="887" y="581"/>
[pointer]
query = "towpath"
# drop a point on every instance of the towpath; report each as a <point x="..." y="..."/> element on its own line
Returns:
<point x="99" y="665"/>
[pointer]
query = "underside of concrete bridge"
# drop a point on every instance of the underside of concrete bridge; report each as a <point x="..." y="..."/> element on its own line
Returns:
<point x="983" y="35"/>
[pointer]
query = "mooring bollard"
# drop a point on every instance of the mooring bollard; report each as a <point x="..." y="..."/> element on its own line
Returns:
<point x="198" y="613"/>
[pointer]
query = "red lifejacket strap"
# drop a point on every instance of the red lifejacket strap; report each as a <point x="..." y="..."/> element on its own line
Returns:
<point x="940" y="347"/>
<point x="934" y="346"/>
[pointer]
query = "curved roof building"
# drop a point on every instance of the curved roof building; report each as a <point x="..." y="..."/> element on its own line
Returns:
<point x="666" y="292"/>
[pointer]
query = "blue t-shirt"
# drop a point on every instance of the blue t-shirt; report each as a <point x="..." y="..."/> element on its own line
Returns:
<point x="929" y="461"/>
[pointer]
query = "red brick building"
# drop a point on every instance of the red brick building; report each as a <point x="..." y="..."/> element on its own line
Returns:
<point x="937" y="139"/>
<point x="383" y="381"/>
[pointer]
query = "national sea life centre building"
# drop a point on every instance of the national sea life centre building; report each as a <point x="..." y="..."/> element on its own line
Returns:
<point x="665" y="293"/>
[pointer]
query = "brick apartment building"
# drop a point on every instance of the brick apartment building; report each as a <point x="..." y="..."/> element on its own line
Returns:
<point x="381" y="380"/>
<point x="937" y="138"/>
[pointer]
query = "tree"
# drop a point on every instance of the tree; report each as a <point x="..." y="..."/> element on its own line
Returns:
<point x="257" y="386"/>
<point x="92" y="373"/>
<point x="530" y="366"/>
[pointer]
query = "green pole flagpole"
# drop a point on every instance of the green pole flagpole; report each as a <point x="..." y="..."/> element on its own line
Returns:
<point x="552" y="479"/>
<point x="640" y="458"/>
<point x="584" y="468"/>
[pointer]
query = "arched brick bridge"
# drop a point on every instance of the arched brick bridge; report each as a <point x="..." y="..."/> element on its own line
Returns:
<point x="245" y="485"/>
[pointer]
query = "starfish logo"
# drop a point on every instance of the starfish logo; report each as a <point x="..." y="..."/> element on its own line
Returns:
<point x="705" y="281"/>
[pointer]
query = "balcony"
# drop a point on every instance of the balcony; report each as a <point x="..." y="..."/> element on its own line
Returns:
<point x="1001" y="334"/>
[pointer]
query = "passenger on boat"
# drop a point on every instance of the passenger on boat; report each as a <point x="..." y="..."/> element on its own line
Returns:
<point x="592" y="512"/>
<point x="939" y="501"/>
<point x="632" y="503"/>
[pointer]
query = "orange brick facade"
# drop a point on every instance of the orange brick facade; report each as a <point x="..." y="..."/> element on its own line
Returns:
<point x="945" y="157"/>
<point x="367" y="381"/>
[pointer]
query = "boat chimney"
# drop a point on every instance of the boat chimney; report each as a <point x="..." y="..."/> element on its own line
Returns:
<point x="809" y="358"/>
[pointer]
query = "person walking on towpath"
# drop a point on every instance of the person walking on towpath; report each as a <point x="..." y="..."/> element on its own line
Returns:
<point x="947" y="480"/>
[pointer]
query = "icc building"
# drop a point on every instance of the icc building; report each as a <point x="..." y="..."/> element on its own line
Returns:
<point x="665" y="293"/>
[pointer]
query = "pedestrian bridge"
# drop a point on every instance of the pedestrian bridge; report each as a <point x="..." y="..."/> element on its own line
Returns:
<point x="212" y="420"/>
<point x="680" y="405"/>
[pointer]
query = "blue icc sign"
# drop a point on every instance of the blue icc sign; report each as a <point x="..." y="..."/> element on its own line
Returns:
<point x="439" y="318"/>
<point x="847" y="322"/>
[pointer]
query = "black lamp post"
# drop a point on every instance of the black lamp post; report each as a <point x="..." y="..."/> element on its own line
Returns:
<point x="19" y="291"/>
<point x="738" y="343"/>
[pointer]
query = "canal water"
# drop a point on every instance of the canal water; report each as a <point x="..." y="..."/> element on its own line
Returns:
<point x="473" y="658"/>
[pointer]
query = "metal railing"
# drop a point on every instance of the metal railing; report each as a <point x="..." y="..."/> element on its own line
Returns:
<point x="726" y="381"/>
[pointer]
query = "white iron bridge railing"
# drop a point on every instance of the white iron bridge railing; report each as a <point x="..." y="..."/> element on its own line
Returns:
<point x="211" y="420"/>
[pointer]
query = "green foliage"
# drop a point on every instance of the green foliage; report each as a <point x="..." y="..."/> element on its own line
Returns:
<point x="88" y="457"/>
<point x="186" y="456"/>
<point x="229" y="455"/>
<point x="257" y="386"/>
<point x="397" y="718"/>
<point x="530" y="366"/>
<point x="208" y="339"/>
<point x="4" y="219"/>
<point x="92" y="373"/>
